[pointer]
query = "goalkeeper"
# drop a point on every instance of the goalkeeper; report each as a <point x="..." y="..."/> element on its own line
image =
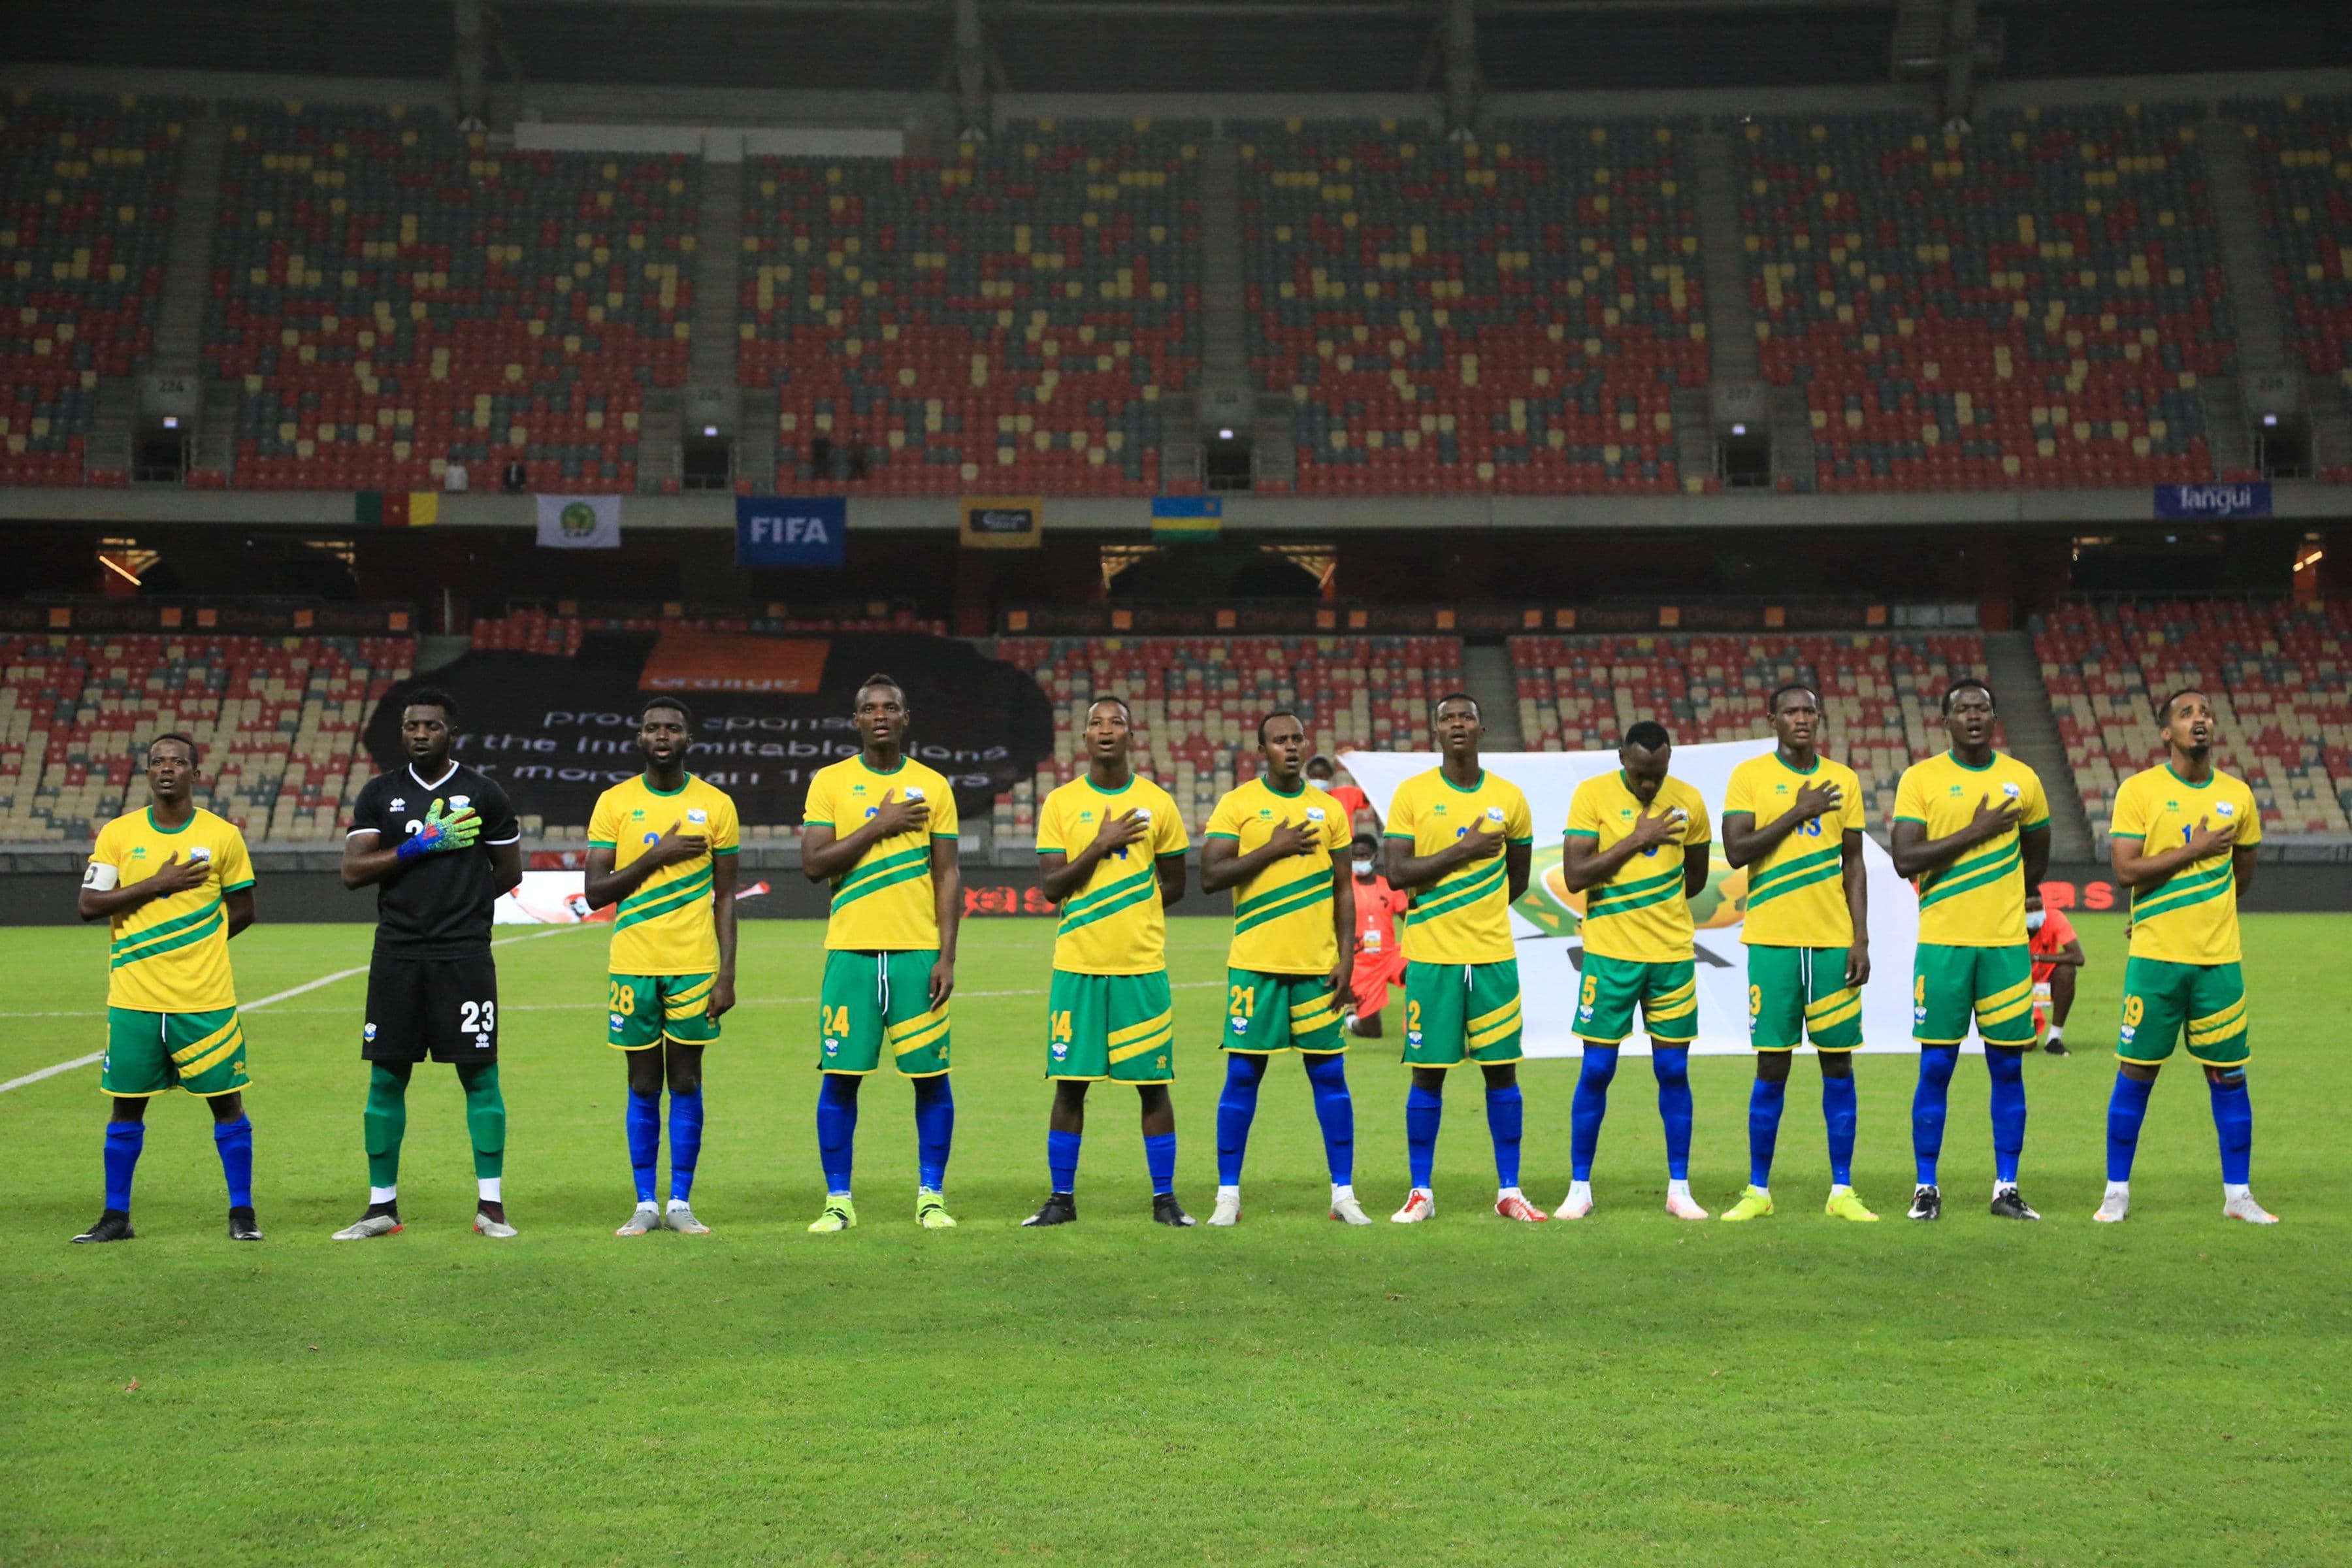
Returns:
<point x="439" y="843"/>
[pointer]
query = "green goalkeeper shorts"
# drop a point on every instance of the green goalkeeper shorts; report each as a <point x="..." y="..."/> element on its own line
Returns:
<point x="869" y="1000"/>
<point x="148" y="1053"/>
<point x="1797" y="993"/>
<point x="1457" y="1013"/>
<point x="1121" y="1027"/>
<point x="644" y="1010"/>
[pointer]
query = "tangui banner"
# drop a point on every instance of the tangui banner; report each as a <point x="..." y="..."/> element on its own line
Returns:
<point x="1547" y="921"/>
<point x="768" y="712"/>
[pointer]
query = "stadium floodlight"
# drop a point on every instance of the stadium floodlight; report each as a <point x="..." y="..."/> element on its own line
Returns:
<point x="1224" y="434"/>
<point x="2270" y="418"/>
<point x="171" y="422"/>
<point x="1740" y="430"/>
<point x="711" y="430"/>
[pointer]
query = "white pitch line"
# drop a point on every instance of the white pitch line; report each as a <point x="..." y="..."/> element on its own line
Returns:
<point x="254" y="1006"/>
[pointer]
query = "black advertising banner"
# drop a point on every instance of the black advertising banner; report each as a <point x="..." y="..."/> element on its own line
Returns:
<point x="768" y="712"/>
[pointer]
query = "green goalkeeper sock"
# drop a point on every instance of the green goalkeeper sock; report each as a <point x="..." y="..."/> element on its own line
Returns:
<point x="486" y="1119"/>
<point x="386" y="1121"/>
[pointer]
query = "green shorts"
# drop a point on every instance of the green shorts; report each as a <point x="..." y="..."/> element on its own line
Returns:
<point x="1796" y="992"/>
<point x="1996" y="983"/>
<point x="868" y="998"/>
<point x="148" y="1053"/>
<point x="2161" y="999"/>
<point x="1120" y="1027"/>
<point x="1269" y="1013"/>
<point x="646" y="1009"/>
<point x="1668" y="993"/>
<point x="1457" y="1013"/>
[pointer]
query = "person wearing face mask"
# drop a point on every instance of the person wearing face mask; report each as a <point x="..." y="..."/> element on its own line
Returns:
<point x="1379" y="963"/>
<point x="2050" y="938"/>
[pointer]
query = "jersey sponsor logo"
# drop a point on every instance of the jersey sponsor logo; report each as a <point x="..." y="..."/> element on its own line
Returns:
<point x="198" y="852"/>
<point x="2008" y="787"/>
<point x="460" y="802"/>
<point x="399" y="803"/>
<point x="1241" y="1026"/>
<point x="1313" y="814"/>
<point x="2224" y="808"/>
<point x="138" y="851"/>
<point x="1061" y="1051"/>
<point x="616" y="1020"/>
<point x="1413" y="1037"/>
<point x="367" y="1032"/>
<point x="695" y="814"/>
<point x="914" y="792"/>
<point x="832" y="1046"/>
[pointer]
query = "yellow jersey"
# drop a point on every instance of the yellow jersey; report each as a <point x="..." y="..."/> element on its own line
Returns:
<point x="2193" y="918"/>
<point x="1466" y="918"/>
<point x="1796" y="895"/>
<point x="887" y="902"/>
<point x="1641" y="914"/>
<point x="171" y="954"/>
<point x="1115" y="924"/>
<point x="666" y="926"/>
<point x="1978" y="900"/>
<point x="1282" y="916"/>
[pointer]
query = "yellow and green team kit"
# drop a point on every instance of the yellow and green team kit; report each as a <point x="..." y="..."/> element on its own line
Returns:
<point x="1461" y="970"/>
<point x="1637" y="929"/>
<point x="170" y="999"/>
<point x="665" y="938"/>
<point x="2182" y="973"/>
<point x="1972" y="957"/>
<point x="1284" y="947"/>
<point x="882" y="938"/>
<point x="1109" y="1012"/>
<point x="1796" y="925"/>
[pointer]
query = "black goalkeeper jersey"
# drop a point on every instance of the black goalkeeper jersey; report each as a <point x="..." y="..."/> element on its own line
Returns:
<point x="435" y="906"/>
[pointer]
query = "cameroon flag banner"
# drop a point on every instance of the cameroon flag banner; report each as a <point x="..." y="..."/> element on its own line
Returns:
<point x="396" y="508"/>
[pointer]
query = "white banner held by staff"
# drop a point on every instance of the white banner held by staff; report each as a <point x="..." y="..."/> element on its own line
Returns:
<point x="579" y="522"/>
<point x="1546" y="922"/>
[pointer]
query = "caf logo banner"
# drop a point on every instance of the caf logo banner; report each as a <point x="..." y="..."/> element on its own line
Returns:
<point x="1547" y="922"/>
<point x="579" y="522"/>
<point x="1003" y="523"/>
<point x="791" y="531"/>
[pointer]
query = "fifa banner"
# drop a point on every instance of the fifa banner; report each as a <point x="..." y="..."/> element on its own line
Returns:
<point x="791" y="531"/>
<point x="579" y="522"/>
<point x="768" y="711"/>
<point x="1545" y="922"/>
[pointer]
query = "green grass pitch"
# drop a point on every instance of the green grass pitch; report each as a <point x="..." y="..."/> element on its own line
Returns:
<point x="1629" y="1390"/>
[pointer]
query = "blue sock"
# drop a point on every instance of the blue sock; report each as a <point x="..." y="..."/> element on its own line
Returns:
<point x="837" y="1134"/>
<point x="934" y="1131"/>
<point x="1159" y="1159"/>
<point x="234" y="1143"/>
<point x="1335" y="1111"/>
<point x="1838" y="1114"/>
<point x="124" y="1142"/>
<point x="2127" y="1108"/>
<point x="1672" y="1066"/>
<point x="643" y="1119"/>
<point x="1590" y="1106"/>
<point x="1937" y="1064"/>
<point x="1236" y="1108"/>
<point x="2008" y="1071"/>
<point x="1062" y="1160"/>
<point x="1505" y="1121"/>
<point x="2233" y="1121"/>
<point x="1424" y="1109"/>
<point x="685" y="1141"/>
<point x="1764" y="1103"/>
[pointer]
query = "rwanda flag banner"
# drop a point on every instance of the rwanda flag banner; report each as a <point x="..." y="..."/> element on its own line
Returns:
<point x="1187" y="519"/>
<point x="396" y="508"/>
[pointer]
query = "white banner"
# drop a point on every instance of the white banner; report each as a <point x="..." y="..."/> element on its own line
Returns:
<point x="579" y="522"/>
<point x="557" y="899"/>
<point x="1545" y="922"/>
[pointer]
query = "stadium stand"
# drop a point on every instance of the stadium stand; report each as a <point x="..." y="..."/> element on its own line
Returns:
<point x="86" y="186"/>
<point x="1009" y="316"/>
<point x="2301" y="150"/>
<point x="2276" y="672"/>
<point x="1508" y="315"/>
<point x="2028" y="306"/>
<point x="1197" y="703"/>
<point x="396" y="294"/>
<point x="1880" y="692"/>
<point x="278" y="720"/>
<point x="530" y="629"/>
